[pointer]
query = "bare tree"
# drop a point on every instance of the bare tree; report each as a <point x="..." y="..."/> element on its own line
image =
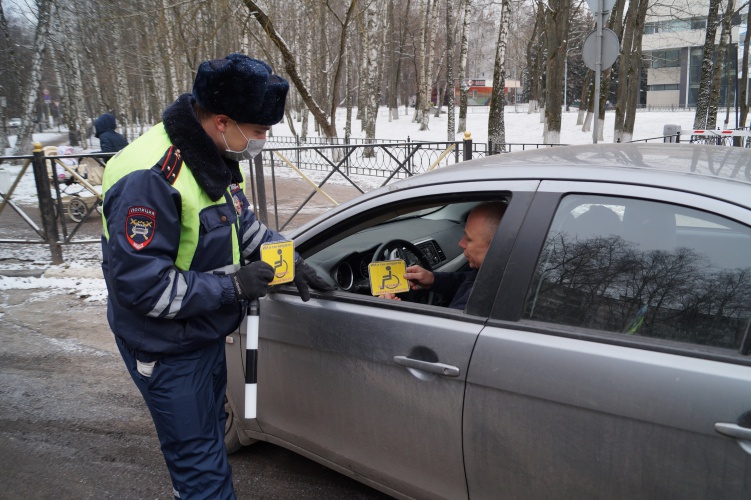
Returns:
<point x="496" y="124"/>
<point x="743" y="99"/>
<point x="719" y="65"/>
<point x="534" y="58"/>
<point x="705" y="82"/>
<point x="463" y="87"/>
<point x="373" y="24"/>
<point x="629" y="73"/>
<point x="450" y="28"/>
<point x="4" y="143"/>
<point x="35" y="77"/>
<point x="326" y="122"/>
<point x="557" y="17"/>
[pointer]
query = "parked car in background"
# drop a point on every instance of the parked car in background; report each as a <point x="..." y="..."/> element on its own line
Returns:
<point x="604" y="351"/>
<point x="14" y="122"/>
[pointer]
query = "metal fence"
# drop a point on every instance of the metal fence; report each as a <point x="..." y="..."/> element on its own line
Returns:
<point x="386" y="161"/>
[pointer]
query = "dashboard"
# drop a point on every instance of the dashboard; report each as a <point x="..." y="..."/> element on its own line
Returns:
<point x="351" y="273"/>
<point x="346" y="261"/>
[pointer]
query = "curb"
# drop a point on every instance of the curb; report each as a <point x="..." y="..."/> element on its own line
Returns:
<point x="80" y="273"/>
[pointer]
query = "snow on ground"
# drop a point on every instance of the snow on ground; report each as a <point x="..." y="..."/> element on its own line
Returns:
<point x="75" y="274"/>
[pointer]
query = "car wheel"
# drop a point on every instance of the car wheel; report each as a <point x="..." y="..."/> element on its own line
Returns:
<point x="231" y="435"/>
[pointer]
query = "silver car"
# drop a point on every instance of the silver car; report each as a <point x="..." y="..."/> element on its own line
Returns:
<point x="604" y="351"/>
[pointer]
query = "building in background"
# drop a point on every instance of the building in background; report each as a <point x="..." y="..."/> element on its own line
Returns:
<point x="480" y="91"/>
<point x="674" y="34"/>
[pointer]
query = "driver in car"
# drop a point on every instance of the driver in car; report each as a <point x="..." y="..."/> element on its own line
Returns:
<point x="482" y="224"/>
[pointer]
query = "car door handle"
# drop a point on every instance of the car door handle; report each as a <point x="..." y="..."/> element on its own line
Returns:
<point x="427" y="366"/>
<point x="735" y="431"/>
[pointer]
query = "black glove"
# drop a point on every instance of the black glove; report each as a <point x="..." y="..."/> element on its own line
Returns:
<point x="252" y="281"/>
<point x="306" y="275"/>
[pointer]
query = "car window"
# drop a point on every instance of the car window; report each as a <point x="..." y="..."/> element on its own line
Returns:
<point x="646" y="269"/>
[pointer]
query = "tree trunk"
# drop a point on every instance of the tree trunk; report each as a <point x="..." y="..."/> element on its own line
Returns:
<point x="533" y="59"/>
<point x="557" y="22"/>
<point x="584" y="100"/>
<point x="393" y="58"/>
<point x="450" y="27"/>
<point x="634" y="74"/>
<point x="705" y="83"/>
<point x="348" y="94"/>
<point x="373" y="25"/>
<point x="4" y="143"/>
<point x="629" y="69"/>
<point x="419" y="103"/>
<point x="743" y="98"/>
<point x="432" y="31"/>
<point x="714" y="93"/>
<point x="496" y="124"/>
<point x="34" y="81"/>
<point x="463" y="87"/>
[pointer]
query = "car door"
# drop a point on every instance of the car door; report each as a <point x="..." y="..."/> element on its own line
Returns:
<point x="374" y="387"/>
<point x="616" y="361"/>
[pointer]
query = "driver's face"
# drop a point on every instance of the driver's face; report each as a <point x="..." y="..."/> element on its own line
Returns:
<point x="476" y="240"/>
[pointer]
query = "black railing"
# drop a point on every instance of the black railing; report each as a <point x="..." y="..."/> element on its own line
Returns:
<point x="386" y="161"/>
<point x="55" y="198"/>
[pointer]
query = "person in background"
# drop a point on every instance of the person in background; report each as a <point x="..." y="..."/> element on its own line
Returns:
<point x="181" y="259"/>
<point x="110" y="140"/>
<point x="482" y="224"/>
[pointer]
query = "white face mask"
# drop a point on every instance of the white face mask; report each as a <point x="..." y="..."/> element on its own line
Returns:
<point x="252" y="149"/>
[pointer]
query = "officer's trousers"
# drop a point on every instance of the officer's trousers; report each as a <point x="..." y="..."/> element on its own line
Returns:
<point x="185" y="395"/>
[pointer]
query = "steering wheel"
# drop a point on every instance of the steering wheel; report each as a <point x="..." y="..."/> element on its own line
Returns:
<point x="397" y="249"/>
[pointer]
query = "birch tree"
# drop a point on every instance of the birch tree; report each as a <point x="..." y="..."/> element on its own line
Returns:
<point x="534" y="67"/>
<point x="373" y="24"/>
<point x="428" y="82"/>
<point x="450" y="28"/>
<point x="557" y="17"/>
<point x="629" y="73"/>
<point x="420" y="56"/>
<point x="463" y="87"/>
<point x="719" y="65"/>
<point x="327" y="122"/>
<point x="743" y="99"/>
<point x="4" y="143"/>
<point x="34" y="81"/>
<point x="496" y="124"/>
<point x="705" y="82"/>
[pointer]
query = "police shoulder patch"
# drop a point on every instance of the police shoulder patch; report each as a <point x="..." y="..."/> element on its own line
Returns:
<point x="140" y="225"/>
<point x="238" y="197"/>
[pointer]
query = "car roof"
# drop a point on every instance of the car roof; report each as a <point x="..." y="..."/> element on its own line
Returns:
<point x="716" y="171"/>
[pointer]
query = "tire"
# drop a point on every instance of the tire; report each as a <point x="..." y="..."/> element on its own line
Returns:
<point x="231" y="437"/>
<point x="77" y="209"/>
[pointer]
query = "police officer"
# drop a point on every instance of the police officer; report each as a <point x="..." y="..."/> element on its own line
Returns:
<point x="181" y="259"/>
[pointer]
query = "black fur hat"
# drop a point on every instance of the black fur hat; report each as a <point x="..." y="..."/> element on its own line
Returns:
<point x="243" y="88"/>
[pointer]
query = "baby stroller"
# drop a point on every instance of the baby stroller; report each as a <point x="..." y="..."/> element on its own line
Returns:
<point x="77" y="179"/>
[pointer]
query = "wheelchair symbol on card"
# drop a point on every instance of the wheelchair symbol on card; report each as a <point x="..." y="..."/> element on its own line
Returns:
<point x="280" y="256"/>
<point x="386" y="277"/>
<point x="280" y="266"/>
<point x="389" y="281"/>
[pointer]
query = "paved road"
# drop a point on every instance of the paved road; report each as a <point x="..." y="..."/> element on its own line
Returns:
<point x="72" y="424"/>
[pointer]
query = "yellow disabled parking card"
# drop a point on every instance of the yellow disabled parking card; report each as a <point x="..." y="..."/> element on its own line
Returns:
<point x="281" y="256"/>
<point x="388" y="277"/>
